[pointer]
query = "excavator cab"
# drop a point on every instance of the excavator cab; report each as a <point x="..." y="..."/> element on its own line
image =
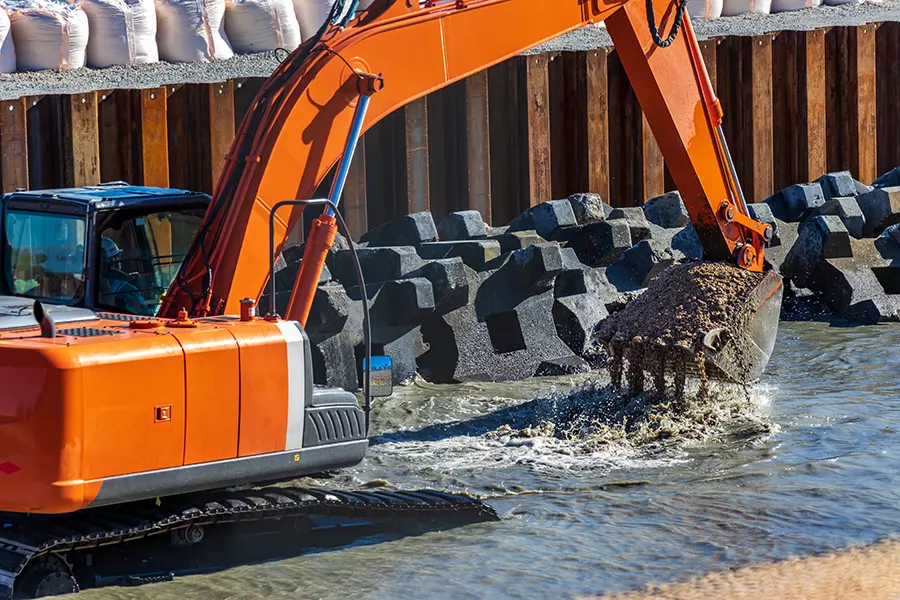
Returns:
<point x="112" y="247"/>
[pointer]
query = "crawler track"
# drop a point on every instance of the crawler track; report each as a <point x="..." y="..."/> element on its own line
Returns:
<point x="56" y="543"/>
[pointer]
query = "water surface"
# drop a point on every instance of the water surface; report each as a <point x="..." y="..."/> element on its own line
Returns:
<point x="810" y="467"/>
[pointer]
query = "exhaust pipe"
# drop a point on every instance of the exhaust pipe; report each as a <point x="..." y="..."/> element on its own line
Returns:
<point x="48" y="327"/>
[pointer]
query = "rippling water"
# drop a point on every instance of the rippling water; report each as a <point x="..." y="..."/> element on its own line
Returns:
<point x="810" y="467"/>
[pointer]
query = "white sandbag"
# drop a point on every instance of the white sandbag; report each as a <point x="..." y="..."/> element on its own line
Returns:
<point x="840" y="2"/>
<point x="789" y="5"/>
<point x="192" y="30"/>
<point x="123" y="32"/>
<point x="49" y="37"/>
<point x="731" y="8"/>
<point x="258" y="25"/>
<point x="7" y="46"/>
<point x="704" y="9"/>
<point x="311" y="15"/>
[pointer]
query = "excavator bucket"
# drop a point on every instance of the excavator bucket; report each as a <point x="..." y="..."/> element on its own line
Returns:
<point x="711" y="320"/>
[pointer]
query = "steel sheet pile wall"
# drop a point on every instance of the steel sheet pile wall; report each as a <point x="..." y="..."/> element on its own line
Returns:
<point x="798" y="104"/>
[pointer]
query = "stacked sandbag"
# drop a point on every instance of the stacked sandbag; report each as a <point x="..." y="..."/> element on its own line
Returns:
<point x="192" y="30"/>
<point x="259" y="25"/>
<point x="731" y="8"/>
<point x="311" y="14"/>
<point x="7" y="46"/>
<point x="704" y="9"/>
<point x="123" y="32"/>
<point x="49" y="36"/>
<point x="789" y="5"/>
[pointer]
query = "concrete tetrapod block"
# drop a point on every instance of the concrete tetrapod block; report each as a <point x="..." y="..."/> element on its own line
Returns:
<point x="450" y="280"/>
<point x="462" y="225"/>
<point x="401" y="303"/>
<point x="474" y="253"/>
<point x="794" y="203"/>
<point x="667" y="211"/>
<point x="637" y="222"/>
<point x="569" y="365"/>
<point x="864" y="288"/>
<point x="545" y="218"/>
<point x="334" y="328"/>
<point x="839" y="184"/>
<point x="820" y="237"/>
<point x="600" y="244"/>
<point x="889" y="179"/>
<point x="501" y="333"/>
<point x="848" y="210"/>
<point x="538" y="265"/>
<point x="516" y="240"/>
<point x="378" y="264"/>
<point x="581" y="302"/>
<point x="409" y="230"/>
<point x="646" y="259"/>
<point x="881" y="208"/>
<point x="588" y="208"/>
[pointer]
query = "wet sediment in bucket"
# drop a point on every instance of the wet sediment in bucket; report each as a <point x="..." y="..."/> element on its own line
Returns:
<point x="670" y="327"/>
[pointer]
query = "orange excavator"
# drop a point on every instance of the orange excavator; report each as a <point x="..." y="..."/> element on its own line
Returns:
<point x="130" y="412"/>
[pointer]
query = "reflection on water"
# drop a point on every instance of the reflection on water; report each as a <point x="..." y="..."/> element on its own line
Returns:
<point x="806" y="466"/>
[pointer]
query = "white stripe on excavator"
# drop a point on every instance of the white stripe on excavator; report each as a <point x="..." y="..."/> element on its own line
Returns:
<point x="296" y="367"/>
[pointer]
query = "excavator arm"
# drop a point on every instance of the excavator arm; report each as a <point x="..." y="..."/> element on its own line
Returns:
<point x="296" y="130"/>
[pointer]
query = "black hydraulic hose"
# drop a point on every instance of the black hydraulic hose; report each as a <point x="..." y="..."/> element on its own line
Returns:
<point x="680" y="8"/>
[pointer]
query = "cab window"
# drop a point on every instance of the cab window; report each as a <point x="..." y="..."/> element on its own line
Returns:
<point x="44" y="256"/>
<point x="140" y="257"/>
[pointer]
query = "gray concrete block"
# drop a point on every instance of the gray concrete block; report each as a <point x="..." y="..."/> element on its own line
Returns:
<point x="331" y="310"/>
<point x="401" y="303"/>
<point x="334" y="362"/>
<point x="450" y="280"/>
<point x="545" y="218"/>
<point x="889" y="179"/>
<point x="600" y="244"/>
<point x="502" y="333"/>
<point x="819" y="238"/>
<point x="568" y="365"/>
<point x="462" y="225"/>
<point x="539" y="264"/>
<point x="409" y="230"/>
<point x="637" y="222"/>
<point x="848" y="210"/>
<point x="881" y="208"/>
<point x="647" y="258"/>
<point x="495" y="231"/>
<point x="516" y="240"/>
<point x="794" y="203"/>
<point x="378" y="264"/>
<point x="575" y="317"/>
<point x="589" y="208"/>
<point x="762" y="212"/>
<point x="837" y="185"/>
<point x="667" y="211"/>
<point x="474" y="253"/>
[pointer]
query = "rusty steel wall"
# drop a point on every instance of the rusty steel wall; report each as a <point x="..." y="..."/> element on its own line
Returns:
<point x="797" y="104"/>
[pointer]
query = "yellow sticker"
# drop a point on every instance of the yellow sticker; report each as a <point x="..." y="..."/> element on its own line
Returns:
<point x="296" y="458"/>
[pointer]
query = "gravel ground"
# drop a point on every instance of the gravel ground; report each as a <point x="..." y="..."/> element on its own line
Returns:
<point x="261" y="65"/>
<point x="868" y="573"/>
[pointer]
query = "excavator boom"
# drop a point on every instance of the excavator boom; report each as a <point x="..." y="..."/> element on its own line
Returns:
<point x="296" y="130"/>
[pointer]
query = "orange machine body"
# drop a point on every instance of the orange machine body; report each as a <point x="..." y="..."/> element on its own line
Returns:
<point x="107" y="413"/>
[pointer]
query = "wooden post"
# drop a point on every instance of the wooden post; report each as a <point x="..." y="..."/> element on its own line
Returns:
<point x="798" y="106"/>
<point x="708" y="50"/>
<point x="81" y="157"/>
<point x="888" y="95"/>
<point x="354" y="205"/>
<point x="386" y="169"/>
<point x="416" y="131"/>
<point x="537" y="126"/>
<point x="596" y="99"/>
<point x="14" y="144"/>
<point x="154" y="137"/>
<point x="508" y="190"/>
<point x="220" y="98"/>
<point x="478" y="145"/>
<point x="635" y="160"/>
<point x="745" y="86"/>
<point x="851" y="91"/>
